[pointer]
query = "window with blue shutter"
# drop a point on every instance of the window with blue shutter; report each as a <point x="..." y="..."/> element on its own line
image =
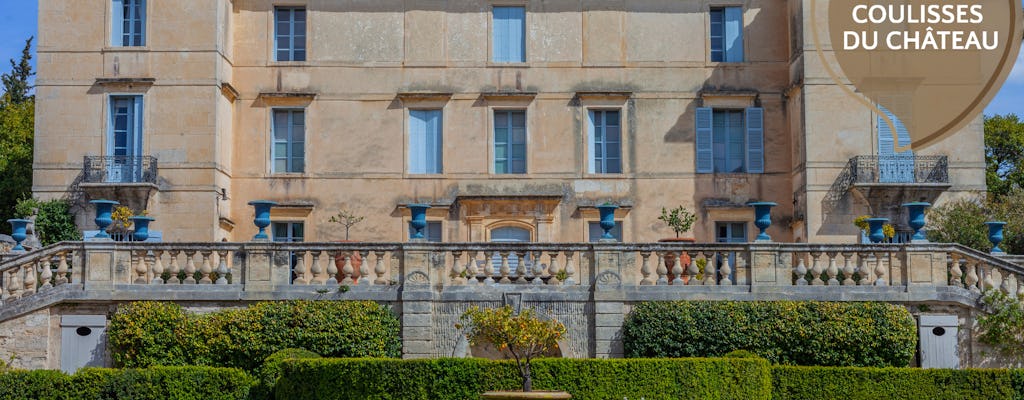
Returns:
<point x="605" y="142"/>
<point x="128" y="23"/>
<point x="508" y="37"/>
<point x="726" y="34"/>
<point x="893" y="167"/>
<point x="289" y="148"/>
<point x="290" y="34"/>
<point x="730" y="141"/>
<point x="124" y="139"/>
<point x="425" y="142"/>
<point x="755" y="140"/>
<point x="510" y="142"/>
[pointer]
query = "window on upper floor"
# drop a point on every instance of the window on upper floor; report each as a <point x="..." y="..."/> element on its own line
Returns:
<point x="510" y="142"/>
<point x="290" y="34"/>
<point x="124" y="140"/>
<point x="605" y="147"/>
<point x="730" y="141"/>
<point x="128" y="23"/>
<point x="289" y="132"/>
<point x="425" y="142"/>
<point x="508" y="37"/>
<point x="727" y="34"/>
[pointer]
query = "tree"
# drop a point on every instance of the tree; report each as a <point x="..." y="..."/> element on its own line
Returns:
<point x="17" y="120"/>
<point x="963" y="221"/>
<point x="54" y="221"/>
<point x="1004" y="154"/>
<point x="16" y="85"/>
<point x="524" y="336"/>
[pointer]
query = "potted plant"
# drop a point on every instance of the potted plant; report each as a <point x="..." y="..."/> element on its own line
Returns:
<point x="524" y="336"/>
<point x="124" y="220"/>
<point x="680" y="219"/>
<point x="347" y="219"/>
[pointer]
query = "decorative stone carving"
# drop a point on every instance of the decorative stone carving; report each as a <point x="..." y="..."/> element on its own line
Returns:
<point x="417" y="278"/>
<point x="609" y="278"/>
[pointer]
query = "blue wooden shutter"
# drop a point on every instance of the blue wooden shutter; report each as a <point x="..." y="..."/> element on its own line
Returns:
<point x="734" y="34"/>
<point x="517" y="36"/>
<point x="592" y="125"/>
<point x="434" y="140"/>
<point x="142" y="22"/>
<point x="499" y="36"/>
<point x="755" y="140"/>
<point x="508" y="38"/>
<point x="417" y="141"/>
<point x="117" y="23"/>
<point x="705" y="154"/>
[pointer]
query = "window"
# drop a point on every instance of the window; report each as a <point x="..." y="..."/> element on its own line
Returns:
<point x="731" y="232"/>
<point x="509" y="234"/>
<point x="727" y="34"/>
<point x="605" y="142"/>
<point x="124" y="141"/>
<point x="128" y="23"/>
<point x="289" y="232"/>
<point x="510" y="142"/>
<point x="893" y="167"/>
<point x="730" y="141"/>
<point x="432" y="232"/>
<point x="425" y="142"/>
<point x="289" y="152"/>
<point x="595" y="232"/>
<point x="508" y="38"/>
<point x="290" y="33"/>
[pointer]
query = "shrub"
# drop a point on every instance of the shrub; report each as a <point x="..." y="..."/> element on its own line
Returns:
<point x="525" y="335"/>
<point x="587" y="379"/>
<point x="1002" y="326"/>
<point x="784" y="332"/>
<point x="800" y="383"/>
<point x="148" y="333"/>
<point x="54" y="223"/>
<point x="132" y="384"/>
<point x="270" y="372"/>
<point x="741" y="354"/>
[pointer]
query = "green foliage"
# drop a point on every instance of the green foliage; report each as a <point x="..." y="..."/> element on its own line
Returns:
<point x="16" y="129"/>
<point x="347" y="219"/>
<point x="802" y="383"/>
<point x="680" y="219"/>
<point x="784" y="332"/>
<point x="54" y="223"/>
<point x="270" y="372"/>
<point x="525" y="335"/>
<point x="16" y="86"/>
<point x="1004" y="154"/>
<point x="1002" y="326"/>
<point x="150" y="333"/>
<point x="741" y="354"/>
<point x="585" y="379"/>
<point x="131" y="384"/>
<point x="963" y="221"/>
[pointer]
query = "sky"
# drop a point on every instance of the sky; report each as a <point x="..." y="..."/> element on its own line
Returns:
<point x="18" y="20"/>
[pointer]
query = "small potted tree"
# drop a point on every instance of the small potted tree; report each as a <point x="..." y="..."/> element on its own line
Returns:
<point x="347" y="219"/>
<point x="680" y="219"/>
<point x="524" y="337"/>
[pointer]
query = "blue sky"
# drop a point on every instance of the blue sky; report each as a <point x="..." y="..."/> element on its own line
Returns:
<point x="18" y="21"/>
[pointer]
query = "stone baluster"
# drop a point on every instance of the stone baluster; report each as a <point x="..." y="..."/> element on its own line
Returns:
<point x="800" y="271"/>
<point x="848" y="269"/>
<point x="955" y="273"/>
<point x="45" y="275"/>
<point x="471" y="267"/>
<point x="364" y="269"/>
<point x="880" y="269"/>
<point x="332" y="267"/>
<point x="30" y="278"/>
<point x="14" y="287"/>
<point x="816" y="269"/>
<point x="206" y="269"/>
<point x="458" y="273"/>
<point x="726" y="271"/>
<point x="316" y="270"/>
<point x="222" y="268"/>
<point x="538" y="268"/>
<point x="158" y="268"/>
<point x="301" y="278"/>
<point x="677" y="271"/>
<point x="692" y="270"/>
<point x="141" y="269"/>
<point x="710" y="274"/>
<point x="570" y="269"/>
<point x="1006" y="286"/>
<point x="661" y="269"/>
<point x="553" y="268"/>
<point x="645" y="269"/>
<point x="833" y="269"/>
<point x="3" y="287"/>
<point x="347" y="269"/>
<point x="173" y="269"/>
<point x="522" y="269"/>
<point x="62" y="269"/>
<point x="1020" y="286"/>
<point x="488" y="268"/>
<point x="505" y="269"/>
<point x="972" y="276"/>
<point x="864" y="269"/>
<point x="379" y="270"/>
<point x="987" y="272"/>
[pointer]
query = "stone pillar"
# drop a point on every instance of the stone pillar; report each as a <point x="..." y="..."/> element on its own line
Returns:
<point x="100" y="267"/>
<point x="925" y="267"/>
<point x="262" y="270"/>
<point x="417" y="303"/>
<point x="766" y="268"/>
<point x="608" y="319"/>
<point x="476" y="229"/>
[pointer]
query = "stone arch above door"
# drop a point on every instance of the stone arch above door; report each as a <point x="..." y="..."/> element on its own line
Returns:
<point x="482" y="214"/>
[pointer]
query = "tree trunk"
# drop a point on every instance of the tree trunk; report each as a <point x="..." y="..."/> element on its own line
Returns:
<point x="527" y="379"/>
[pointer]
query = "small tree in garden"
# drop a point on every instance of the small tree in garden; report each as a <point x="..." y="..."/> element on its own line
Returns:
<point x="347" y="219"/>
<point x="680" y="219"/>
<point x="525" y="336"/>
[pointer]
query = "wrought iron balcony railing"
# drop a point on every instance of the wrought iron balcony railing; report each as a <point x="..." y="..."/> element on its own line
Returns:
<point x="120" y="169"/>
<point x="899" y="169"/>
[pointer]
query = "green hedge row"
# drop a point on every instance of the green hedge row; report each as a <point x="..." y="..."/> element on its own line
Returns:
<point x="784" y="332"/>
<point x="157" y="383"/>
<point x="458" y="379"/>
<point x="851" y="383"/>
<point x="143" y="334"/>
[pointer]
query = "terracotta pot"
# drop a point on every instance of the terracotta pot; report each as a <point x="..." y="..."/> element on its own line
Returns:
<point x="525" y="395"/>
<point x="339" y="262"/>
<point x="670" y="258"/>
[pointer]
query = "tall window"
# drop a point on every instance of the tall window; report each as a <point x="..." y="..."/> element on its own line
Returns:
<point x="894" y="167"/>
<point x="605" y="142"/>
<point x="510" y="142"/>
<point x="289" y="232"/>
<point x="727" y="34"/>
<point x="508" y="37"/>
<point x="124" y="141"/>
<point x="425" y="142"/>
<point x="289" y="152"/>
<point x="730" y="141"/>
<point x="129" y="23"/>
<point x="290" y="33"/>
<point x="432" y="232"/>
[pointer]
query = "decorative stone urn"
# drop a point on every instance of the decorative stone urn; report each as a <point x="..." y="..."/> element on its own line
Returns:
<point x="763" y="218"/>
<point x="141" y="224"/>
<point x="875" y="229"/>
<point x="419" y="220"/>
<point x="104" y="208"/>
<point x="995" y="235"/>
<point x="607" y="212"/>
<point x="18" y="227"/>
<point x="262" y="219"/>
<point x="915" y="218"/>
<point x="510" y="395"/>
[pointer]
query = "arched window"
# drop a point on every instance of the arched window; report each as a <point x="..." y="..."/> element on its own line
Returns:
<point x="510" y="234"/>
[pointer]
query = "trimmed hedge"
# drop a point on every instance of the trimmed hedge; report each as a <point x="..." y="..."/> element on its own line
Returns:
<point x="270" y="372"/>
<point x="459" y="379"/>
<point x="783" y="332"/>
<point x="156" y="383"/>
<point x="847" y="383"/>
<point x="143" y="334"/>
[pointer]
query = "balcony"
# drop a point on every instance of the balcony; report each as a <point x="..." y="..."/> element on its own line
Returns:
<point x="886" y="182"/>
<point x="133" y="179"/>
